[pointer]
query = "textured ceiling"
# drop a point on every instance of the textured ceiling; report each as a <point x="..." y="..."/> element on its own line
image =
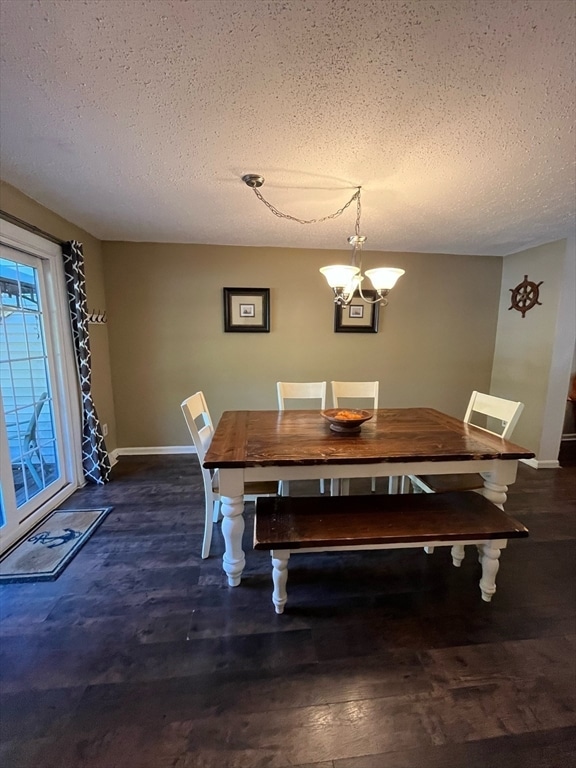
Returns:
<point x="137" y="119"/>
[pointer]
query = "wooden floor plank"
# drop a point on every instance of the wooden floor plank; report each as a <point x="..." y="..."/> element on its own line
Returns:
<point x="141" y="656"/>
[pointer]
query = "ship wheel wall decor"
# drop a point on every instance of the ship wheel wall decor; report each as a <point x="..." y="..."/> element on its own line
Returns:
<point x="525" y="295"/>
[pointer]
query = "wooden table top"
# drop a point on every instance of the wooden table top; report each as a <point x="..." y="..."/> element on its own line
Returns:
<point x="290" y="438"/>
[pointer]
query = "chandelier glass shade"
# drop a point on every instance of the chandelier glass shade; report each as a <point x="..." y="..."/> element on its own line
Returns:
<point x="344" y="279"/>
<point x="339" y="275"/>
<point x="384" y="278"/>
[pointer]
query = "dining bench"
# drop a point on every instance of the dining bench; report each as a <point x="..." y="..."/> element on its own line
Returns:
<point x="290" y="524"/>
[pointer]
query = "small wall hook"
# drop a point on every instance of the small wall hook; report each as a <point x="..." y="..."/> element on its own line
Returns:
<point x="96" y="317"/>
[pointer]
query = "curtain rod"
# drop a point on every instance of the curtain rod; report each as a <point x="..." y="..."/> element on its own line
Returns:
<point x="30" y="227"/>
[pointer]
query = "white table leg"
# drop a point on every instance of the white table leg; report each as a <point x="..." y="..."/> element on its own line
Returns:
<point x="495" y="492"/>
<point x="392" y="485"/>
<point x="280" y="559"/>
<point x="234" y="560"/>
<point x="490" y="565"/>
<point x="496" y="482"/>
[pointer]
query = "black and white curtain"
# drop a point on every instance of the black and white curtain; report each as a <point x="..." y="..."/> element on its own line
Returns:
<point x="94" y="455"/>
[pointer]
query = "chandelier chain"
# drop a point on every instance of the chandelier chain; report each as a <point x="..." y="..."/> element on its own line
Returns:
<point x="339" y="212"/>
<point x="345" y="285"/>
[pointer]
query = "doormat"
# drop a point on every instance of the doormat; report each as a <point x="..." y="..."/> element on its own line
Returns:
<point x="45" y="551"/>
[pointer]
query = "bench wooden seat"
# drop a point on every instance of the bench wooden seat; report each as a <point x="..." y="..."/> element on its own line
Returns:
<point x="303" y="524"/>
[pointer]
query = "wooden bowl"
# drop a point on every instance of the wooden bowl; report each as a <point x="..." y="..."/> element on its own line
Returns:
<point x="346" y="420"/>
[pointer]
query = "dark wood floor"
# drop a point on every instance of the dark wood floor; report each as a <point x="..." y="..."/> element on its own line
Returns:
<point x="140" y="656"/>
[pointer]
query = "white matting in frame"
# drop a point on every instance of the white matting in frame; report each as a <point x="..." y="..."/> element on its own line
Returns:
<point x="357" y="317"/>
<point x="246" y="310"/>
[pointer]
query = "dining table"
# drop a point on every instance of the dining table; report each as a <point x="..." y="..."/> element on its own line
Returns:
<point x="291" y="445"/>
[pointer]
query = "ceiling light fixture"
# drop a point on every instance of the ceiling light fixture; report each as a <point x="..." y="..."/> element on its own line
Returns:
<point x="344" y="279"/>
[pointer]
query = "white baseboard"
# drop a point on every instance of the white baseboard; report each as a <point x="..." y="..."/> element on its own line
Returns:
<point x="153" y="450"/>
<point x="535" y="464"/>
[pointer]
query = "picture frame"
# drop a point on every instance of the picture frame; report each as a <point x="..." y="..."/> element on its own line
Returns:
<point x="358" y="316"/>
<point x="246" y="310"/>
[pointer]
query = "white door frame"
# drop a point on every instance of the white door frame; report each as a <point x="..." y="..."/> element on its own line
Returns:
<point x="66" y="394"/>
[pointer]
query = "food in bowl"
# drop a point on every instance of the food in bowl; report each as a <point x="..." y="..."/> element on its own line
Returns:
<point x="346" y="415"/>
<point x="346" y="419"/>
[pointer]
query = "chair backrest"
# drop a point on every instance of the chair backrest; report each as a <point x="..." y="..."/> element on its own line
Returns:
<point x="357" y="389"/>
<point x="199" y="422"/>
<point x="305" y="390"/>
<point x="507" y="412"/>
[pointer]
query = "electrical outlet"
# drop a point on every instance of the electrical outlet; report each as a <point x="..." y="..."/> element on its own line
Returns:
<point x="105" y="429"/>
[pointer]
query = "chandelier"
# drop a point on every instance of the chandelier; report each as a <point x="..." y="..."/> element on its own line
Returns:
<point x="344" y="279"/>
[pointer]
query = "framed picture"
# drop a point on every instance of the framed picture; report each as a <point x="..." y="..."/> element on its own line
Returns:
<point x="247" y="310"/>
<point x="358" y="316"/>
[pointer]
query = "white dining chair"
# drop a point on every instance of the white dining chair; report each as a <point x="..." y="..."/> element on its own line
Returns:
<point x="201" y="429"/>
<point x="300" y="390"/>
<point x="366" y="391"/>
<point x="494" y="412"/>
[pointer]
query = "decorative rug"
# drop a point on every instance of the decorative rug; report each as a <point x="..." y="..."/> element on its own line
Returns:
<point x="46" y="550"/>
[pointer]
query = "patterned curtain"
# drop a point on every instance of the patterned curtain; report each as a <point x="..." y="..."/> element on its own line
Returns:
<point x="94" y="455"/>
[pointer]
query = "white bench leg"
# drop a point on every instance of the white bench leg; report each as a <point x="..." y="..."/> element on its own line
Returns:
<point x="280" y="559"/>
<point x="489" y="555"/>
<point x="429" y="550"/>
<point x="457" y="552"/>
